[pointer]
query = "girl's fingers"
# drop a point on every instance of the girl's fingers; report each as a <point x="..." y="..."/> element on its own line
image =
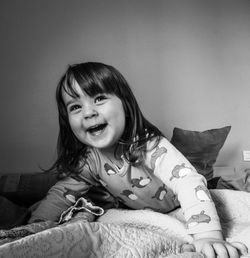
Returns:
<point x="208" y="251"/>
<point x="188" y="248"/>
<point x="232" y="251"/>
<point x="240" y="247"/>
<point x="222" y="251"/>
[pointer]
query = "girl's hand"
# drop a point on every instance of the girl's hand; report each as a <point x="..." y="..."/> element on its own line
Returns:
<point x="212" y="248"/>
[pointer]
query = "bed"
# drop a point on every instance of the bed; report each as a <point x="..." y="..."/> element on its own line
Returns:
<point x="120" y="232"/>
<point x="125" y="233"/>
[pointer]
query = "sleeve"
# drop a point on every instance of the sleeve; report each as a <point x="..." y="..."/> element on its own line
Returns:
<point x="190" y="188"/>
<point x="59" y="198"/>
<point x="66" y="192"/>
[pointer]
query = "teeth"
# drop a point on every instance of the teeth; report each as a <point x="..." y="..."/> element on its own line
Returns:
<point x="96" y="129"/>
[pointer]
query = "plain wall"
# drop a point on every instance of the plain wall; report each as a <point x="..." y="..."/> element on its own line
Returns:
<point x="188" y="63"/>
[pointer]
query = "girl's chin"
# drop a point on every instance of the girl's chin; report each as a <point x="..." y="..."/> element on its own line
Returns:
<point x="102" y="144"/>
<point x="105" y="147"/>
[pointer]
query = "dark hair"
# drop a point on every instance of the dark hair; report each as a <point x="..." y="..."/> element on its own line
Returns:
<point x="95" y="78"/>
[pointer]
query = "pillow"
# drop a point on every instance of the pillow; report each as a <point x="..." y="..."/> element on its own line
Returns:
<point x="12" y="215"/>
<point x="239" y="181"/>
<point x="201" y="148"/>
<point x="26" y="189"/>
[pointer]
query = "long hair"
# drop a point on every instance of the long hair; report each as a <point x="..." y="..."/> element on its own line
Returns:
<point x="95" y="78"/>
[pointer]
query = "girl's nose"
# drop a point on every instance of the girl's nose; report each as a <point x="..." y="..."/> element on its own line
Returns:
<point x="90" y="111"/>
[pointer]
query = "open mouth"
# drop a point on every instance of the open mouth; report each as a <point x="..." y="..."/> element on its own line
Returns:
<point x="96" y="129"/>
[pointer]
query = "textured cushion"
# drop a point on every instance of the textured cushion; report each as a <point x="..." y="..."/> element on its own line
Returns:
<point x="201" y="148"/>
<point x="237" y="181"/>
<point x="26" y="189"/>
<point x="12" y="215"/>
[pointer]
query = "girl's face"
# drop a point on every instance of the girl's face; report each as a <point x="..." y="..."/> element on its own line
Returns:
<point x="97" y="121"/>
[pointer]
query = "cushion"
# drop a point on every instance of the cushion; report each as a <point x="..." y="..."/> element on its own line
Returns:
<point x="201" y="148"/>
<point x="12" y="215"/>
<point x="237" y="181"/>
<point x="26" y="189"/>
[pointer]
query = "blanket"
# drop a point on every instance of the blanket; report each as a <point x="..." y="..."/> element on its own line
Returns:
<point x="126" y="233"/>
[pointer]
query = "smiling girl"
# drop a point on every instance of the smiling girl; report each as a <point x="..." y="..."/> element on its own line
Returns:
<point x="107" y="147"/>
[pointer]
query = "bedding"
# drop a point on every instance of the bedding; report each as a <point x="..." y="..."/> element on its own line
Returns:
<point x="122" y="233"/>
<point x="125" y="233"/>
<point x="235" y="181"/>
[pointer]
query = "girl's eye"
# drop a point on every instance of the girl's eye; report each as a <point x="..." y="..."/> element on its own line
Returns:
<point x="74" y="107"/>
<point x="100" y="98"/>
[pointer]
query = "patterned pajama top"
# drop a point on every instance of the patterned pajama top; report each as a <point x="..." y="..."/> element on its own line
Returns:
<point x="167" y="181"/>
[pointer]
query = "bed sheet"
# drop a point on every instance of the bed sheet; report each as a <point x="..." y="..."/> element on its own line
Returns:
<point x="128" y="233"/>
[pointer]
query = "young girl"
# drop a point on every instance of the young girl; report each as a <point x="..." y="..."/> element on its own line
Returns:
<point x="110" y="153"/>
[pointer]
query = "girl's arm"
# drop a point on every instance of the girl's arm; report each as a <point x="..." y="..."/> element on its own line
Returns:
<point x="198" y="207"/>
<point x="60" y="197"/>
